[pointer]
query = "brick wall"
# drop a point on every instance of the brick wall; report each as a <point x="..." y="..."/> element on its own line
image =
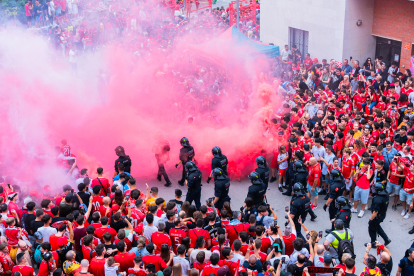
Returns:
<point x="394" y="19"/>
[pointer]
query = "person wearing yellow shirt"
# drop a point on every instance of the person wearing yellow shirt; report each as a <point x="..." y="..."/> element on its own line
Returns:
<point x="154" y="196"/>
<point x="357" y="132"/>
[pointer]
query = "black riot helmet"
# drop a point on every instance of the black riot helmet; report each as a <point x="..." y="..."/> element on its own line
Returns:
<point x="184" y="142"/>
<point x="298" y="189"/>
<point x="191" y="166"/>
<point x="335" y="173"/>
<point x="379" y="187"/>
<point x="218" y="174"/>
<point x="216" y="151"/>
<point x="261" y="162"/>
<point x="299" y="166"/>
<point x="119" y="150"/>
<point x="255" y="178"/>
<point x="342" y="203"/>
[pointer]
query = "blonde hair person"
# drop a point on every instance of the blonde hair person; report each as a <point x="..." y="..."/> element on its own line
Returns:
<point x="176" y="270"/>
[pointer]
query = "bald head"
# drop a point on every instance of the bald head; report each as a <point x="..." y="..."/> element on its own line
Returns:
<point x="312" y="161"/>
<point x="385" y="257"/>
<point x="106" y="200"/>
<point x="252" y="259"/>
<point x="70" y="256"/>
<point x="320" y="249"/>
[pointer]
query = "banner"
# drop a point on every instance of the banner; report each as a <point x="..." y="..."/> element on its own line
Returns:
<point x="315" y="269"/>
<point x="412" y="64"/>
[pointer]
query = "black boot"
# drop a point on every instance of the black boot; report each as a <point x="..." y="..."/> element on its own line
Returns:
<point x="168" y="184"/>
<point x="411" y="231"/>
<point x="159" y="177"/>
<point x="272" y="179"/>
<point x="181" y="183"/>
<point x="387" y="242"/>
<point x="372" y="245"/>
<point x="287" y="193"/>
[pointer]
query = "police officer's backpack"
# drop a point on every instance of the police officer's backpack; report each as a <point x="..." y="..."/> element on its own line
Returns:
<point x="260" y="222"/>
<point x="345" y="245"/>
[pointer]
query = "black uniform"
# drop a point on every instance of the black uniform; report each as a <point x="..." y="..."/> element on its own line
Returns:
<point x="345" y="216"/>
<point x="220" y="162"/>
<point x="186" y="154"/>
<point x="336" y="190"/>
<point x="126" y="161"/>
<point x="257" y="192"/>
<point x="194" y="188"/>
<point x="299" y="206"/>
<point x="221" y="190"/>
<point x="380" y="205"/>
<point x="296" y="174"/>
<point x="264" y="175"/>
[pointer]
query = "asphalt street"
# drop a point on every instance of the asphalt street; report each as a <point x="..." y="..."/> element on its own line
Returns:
<point x="395" y="226"/>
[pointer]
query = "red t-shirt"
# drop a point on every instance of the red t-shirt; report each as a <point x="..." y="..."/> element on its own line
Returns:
<point x="97" y="267"/>
<point x="44" y="268"/>
<point x="233" y="230"/>
<point x="100" y="231"/>
<point x="289" y="244"/>
<point x="394" y="169"/>
<point x="154" y="259"/>
<point x="362" y="180"/>
<point x="159" y="239"/>
<point x="96" y="203"/>
<point x="103" y="209"/>
<point x="307" y="156"/>
<point x="262" y="255"/>
<point x="136" y="217"/>
<point x="195" y="233"/>
<point x="176" y="236"/>
<point x="24" y="270"/>
<point x="409" y="180"/>
<point x="125" y="260"/>
<point x="105" y="184"/>
<point x="314" y="174"/>
<point x="139" y="272"/>
<point x="348" y="167"/>
<point x="338" y="148"/>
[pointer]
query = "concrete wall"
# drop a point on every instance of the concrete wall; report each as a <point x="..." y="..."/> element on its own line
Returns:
<point x="358" y="41"/>
<point x="394" y="19"/>
<point x="323" y="19"/>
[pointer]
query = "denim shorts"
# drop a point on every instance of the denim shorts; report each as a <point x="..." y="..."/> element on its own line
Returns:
<point x="315" y="193"/>
<point x="361" y="195"/>
<point x="404" y="196"/>
<point x="395" y="187"/>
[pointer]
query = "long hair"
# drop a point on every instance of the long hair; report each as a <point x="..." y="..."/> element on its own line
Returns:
<point x="177" y="270"/>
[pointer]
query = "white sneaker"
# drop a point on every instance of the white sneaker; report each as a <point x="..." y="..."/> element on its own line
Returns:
<point x="403" y="213"/>
<point x="390" y="195"/>
<point x="354" y="210"/>
<point x="407" y="216"/>
<point x="361" y="214"/>
<point x="319" y="190"/>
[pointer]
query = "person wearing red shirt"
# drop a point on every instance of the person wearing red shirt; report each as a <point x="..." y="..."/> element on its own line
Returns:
<point x="125" y="259"/>
<point x="105" y="209"/>
<point x="234" y="230"/>
<point x="307" y="155"/>
<point x="154" y="259"/>
<point x="362" y="177"/>
<point x="102" y="182"/>
<point x="307" y="62"/>
<point x="105" y="228"/>
<point x="46" y="267"/>
<point x="199" y="231"/>
<point x="22" y="266"/>
<point x="177" y="234"/>
<point x="97" y="200"/>
<point x="338" y="145"/>
<point x="348" y="167"/>
<point x="314" y="177"/>
<point x="137" y="270"/>
<point x="228" y="254"/>
<point x="97" y="264"/>
<point x="407" y="191"/>
<point x="212" y="267"/>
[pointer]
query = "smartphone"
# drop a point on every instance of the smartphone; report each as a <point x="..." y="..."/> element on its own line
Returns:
<point x="307" y="236"/>
<point x="287" y="209"/>
<point x="283" y="260"/>
<point x="127" y="197"/>
<point x="320" y="234"/>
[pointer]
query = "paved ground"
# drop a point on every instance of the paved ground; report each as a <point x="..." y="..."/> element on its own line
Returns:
<point x="394" y="225"/>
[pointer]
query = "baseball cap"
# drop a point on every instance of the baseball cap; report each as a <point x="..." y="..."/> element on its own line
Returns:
<point x="222" y="271"/>
<point x="61" y="242"/>
<point x="327" y="257"/>
<point x="38" y="235"/>
<point x="315" y="59"/>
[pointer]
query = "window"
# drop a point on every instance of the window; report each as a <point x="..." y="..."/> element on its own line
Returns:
<point x="300" y="38"/>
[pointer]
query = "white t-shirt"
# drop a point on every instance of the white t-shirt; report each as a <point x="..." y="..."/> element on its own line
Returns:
<point x="47" y="232"/>
<point x="237" y="257"/>
<point x="194" y="253"/>
<point x="318" y="152"/>
<point x="110" y="271"/>
<point x="284" y="164"/>
<point x="185" y="265"/>
<point x="148" y="230"/>
<point x="284" y="266"/>
<point x="411" y="97"/>
<point x="285" y="54"/>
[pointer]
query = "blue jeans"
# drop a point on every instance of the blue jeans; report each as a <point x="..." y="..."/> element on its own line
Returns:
<point x="372" y="105"/>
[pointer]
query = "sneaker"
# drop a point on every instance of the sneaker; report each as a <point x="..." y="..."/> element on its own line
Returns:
<point x="313" y="207"/>
<point x="319" y="190"/>
<point x="273" y="179"/>
<point x="361" y="214"/>
<point x="403" y="213"/>
<point x="168" y="184"/>
<point x="390" y="195"/>
<point x="407" y="216"/>
<point x="280" y="189"/>
<point x="399" y="203"/>
<point x="394" y="207"/>
<point x="354" y="210"/>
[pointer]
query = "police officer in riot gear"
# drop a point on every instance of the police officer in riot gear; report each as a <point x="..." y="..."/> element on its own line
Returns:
<point x="122" y="158"/>
<point x="193" y="182"/>
<point x="186" y="154"/>
<point x="297" y="172"/>
<point x="257" y="190"/>
<point x="219" y="161"/>
<point x="379" y="208"/>
<point x="263" y="170"/>
<point x="336" y="190"/>
<point x="299" y="207"/>
<point x="344" y="213"/>
<point x="221" y="188"/>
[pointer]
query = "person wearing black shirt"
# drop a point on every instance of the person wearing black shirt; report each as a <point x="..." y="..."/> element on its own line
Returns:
<point x="37" y="223"/>
<point x="30" y="216"/>
<point x="55" y="213"/>
<point x="122" y="159"/>
<point x="170" y="222"/>
<point x="84" y="193"/>
<point x="336" y="79"/>
<point x="302" y="85"/>
<point x="212" y="227"/>
<point x="297" y="268"/>
<point x="402" y="135"/>
<point x="178" y="202"/>
<point x="385" y="264"/>
<point x="349" y="268"/>
<point x="117" y="222"/>
<point x="109" y="246"/>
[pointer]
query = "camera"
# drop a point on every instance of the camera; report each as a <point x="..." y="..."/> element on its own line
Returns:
<point x="287" y="209"/>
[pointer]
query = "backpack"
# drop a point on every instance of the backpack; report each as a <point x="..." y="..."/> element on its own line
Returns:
<point x="345" y="245"/>
<point x="38" y="255"/>
<point x="260" y="222"/>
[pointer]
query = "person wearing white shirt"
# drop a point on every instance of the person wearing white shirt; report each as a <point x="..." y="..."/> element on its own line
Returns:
<point x="285" y="53"/>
